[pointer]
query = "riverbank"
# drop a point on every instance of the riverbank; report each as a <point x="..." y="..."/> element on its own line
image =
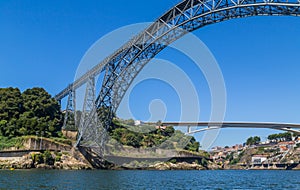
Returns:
<point x="58" y="155"/>
<point x="46" y="160"/>
<point x="45" y="153"/>
<point x="278" y="166"/>
<point x="75" y="161"/>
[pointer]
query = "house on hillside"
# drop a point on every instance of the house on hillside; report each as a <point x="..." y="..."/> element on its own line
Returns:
<point x="161" y="127"/>
<point x="138" y="122"/>
<point x="216" y="149"/>
<point x="284" y="146"/>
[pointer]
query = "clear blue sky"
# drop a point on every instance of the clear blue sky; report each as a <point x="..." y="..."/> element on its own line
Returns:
<point x="42" y="43"/>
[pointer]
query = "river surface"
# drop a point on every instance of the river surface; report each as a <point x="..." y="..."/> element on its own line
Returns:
<point x="97" y="179"/>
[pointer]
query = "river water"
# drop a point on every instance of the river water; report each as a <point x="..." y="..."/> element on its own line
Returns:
<point x="97" y="179"/>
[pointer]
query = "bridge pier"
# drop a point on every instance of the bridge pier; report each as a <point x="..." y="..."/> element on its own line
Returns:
<point x="188" y="129"/>
<point x="89" y="105"/>
<point x="70" y="111"/>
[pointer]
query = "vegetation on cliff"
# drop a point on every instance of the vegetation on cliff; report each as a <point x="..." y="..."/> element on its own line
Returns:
<point x="29" y="113"/>
<point x="165" y="137"/>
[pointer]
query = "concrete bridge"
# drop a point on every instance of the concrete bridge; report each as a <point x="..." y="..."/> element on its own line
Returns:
<point x="290" y="127"/>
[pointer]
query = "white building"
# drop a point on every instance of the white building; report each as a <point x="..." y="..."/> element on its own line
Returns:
<point x="137" y="122"/>
<point x="258" y="159"/>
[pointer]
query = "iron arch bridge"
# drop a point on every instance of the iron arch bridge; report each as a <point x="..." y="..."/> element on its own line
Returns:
<point x="123" y="65"/>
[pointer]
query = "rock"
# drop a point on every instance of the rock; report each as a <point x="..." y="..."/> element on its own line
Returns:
<point x="44" y="166"/>
<point x="67" y="162"/>
<point x="297" y="167"/>
<point x="177" y="166"/>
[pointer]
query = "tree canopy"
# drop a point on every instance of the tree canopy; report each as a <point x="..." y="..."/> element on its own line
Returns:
<point x="253" y="140"/>
<point x="35" y="112"/>
<point x="29" y="113"/>
<point x="151" y="136"/>
<point x="281" y="136"/>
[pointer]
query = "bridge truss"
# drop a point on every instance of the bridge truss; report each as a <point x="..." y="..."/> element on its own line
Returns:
<point x="124" y="65"/>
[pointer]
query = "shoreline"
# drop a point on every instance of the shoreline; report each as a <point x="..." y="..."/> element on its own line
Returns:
<point x="69" y="162"/>
<point x="58" y="156"/>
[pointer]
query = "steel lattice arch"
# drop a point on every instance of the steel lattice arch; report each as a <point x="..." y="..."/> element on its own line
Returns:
<point x="124" y="65"/>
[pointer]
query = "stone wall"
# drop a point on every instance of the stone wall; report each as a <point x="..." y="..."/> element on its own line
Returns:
<point x="44" y="144"/>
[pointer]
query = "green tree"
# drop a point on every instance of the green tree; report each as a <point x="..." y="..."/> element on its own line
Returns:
<point x="169" y="131"/>
<point x="253" y="140"/>
<point x="204" y="162"/>
<point x="149" y="140"/>
<point x="118" y="133"/>
<point x="10" y="103"/>
<point x="28" y="112"/>
<point x="193" y="145"/>
<point x="287" y="136"/>
<point x="48" y="159"/>
<point x="10" y="109"/>
<point x="3" y="125"/>
<point x="132" y="139"/>
<point x="281" y="136"/>
<point x="42" y="112"/>
<point x="149" y="136"/>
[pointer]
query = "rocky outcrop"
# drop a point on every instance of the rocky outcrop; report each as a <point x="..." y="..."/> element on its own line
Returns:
<point x="297" y="167"/>
<point x="65" y="161"/>
<point x="176" y="166"/>
<point x="214" y="166"/>
<point x="70" y="163"/>
<point x="24" y="162"/>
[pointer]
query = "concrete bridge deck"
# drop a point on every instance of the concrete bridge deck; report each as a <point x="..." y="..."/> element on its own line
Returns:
<point x="290" y="127"/>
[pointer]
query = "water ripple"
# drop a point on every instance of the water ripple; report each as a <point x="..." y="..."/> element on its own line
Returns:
<point x="97" y="179"/>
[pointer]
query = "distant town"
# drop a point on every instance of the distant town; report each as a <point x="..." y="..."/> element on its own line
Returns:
<point x="279" y="148"/>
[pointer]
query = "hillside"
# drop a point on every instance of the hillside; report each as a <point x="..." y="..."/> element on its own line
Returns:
<point x="280" y="151"/>
<point x="148" y="136"/>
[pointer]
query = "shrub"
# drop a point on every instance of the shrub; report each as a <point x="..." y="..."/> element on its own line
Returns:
<point x="48" y="159"/>
<point x="38" y="158"/>
<point x="204" y="162"/>
<point x="58" y="156"/>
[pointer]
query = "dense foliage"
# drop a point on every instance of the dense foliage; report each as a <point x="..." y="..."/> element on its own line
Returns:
<point x="34" y="112"/>
<point x="44" y="158"/>
<point x="253" y="140"/>
<point x="149" y="136"/>
<point x="29" y="113"/>
<point x="281" y="136"/>
<point x="6" y="143"/>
